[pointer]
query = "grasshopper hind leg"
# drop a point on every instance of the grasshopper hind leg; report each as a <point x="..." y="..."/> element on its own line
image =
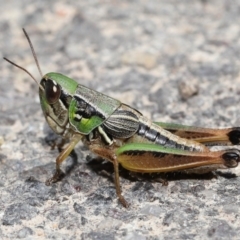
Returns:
<point x="207" y="136"/>
<point x="230" y="158"/>
<point x="139" y="157"/>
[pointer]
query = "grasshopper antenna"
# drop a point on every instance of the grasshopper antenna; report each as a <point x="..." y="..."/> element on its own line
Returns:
<point x="36" y="61"/>
<point x="25" y="70"/>
<point x="33" y="52"/>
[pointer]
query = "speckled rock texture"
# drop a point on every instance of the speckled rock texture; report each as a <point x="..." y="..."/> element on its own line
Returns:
<point x="175" y="61"/>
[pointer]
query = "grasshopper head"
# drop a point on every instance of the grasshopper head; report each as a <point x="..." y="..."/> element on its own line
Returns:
<point x="55" y="93"/>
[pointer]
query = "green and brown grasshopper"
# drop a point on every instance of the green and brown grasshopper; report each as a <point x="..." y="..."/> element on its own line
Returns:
<point x="122" y="135"/>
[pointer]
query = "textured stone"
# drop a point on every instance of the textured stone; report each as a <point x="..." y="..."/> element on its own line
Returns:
<point x="174" y="61"/>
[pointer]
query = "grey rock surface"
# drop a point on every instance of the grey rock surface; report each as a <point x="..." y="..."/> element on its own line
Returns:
<point x="175" y="61"/>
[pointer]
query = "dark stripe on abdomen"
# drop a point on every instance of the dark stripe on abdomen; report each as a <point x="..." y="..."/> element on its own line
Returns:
<point x="157" y="138"/>
<point x="141" y="152"/>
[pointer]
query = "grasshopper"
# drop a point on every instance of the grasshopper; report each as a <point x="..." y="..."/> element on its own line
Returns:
<point x="122" y="135"/>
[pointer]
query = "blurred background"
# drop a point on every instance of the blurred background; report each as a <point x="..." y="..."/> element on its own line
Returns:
<point x="175" y="61"/>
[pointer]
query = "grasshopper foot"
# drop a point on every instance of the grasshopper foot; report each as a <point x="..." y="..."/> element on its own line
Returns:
<point x="163" y="181"/>
<point x="123" y="201"/>
<point x="55" y="178"/>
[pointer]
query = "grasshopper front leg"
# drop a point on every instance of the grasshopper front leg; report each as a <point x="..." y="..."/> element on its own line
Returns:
<point x="61" y="157"/>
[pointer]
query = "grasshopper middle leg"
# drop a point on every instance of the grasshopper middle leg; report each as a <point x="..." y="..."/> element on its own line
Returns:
<point x="109" y="153"/>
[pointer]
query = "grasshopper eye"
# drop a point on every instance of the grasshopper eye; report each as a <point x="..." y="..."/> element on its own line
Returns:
<point x="52" y="91"/>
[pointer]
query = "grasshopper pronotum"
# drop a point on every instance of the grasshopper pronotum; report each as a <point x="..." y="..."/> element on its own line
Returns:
<point x="122" y="135"/>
